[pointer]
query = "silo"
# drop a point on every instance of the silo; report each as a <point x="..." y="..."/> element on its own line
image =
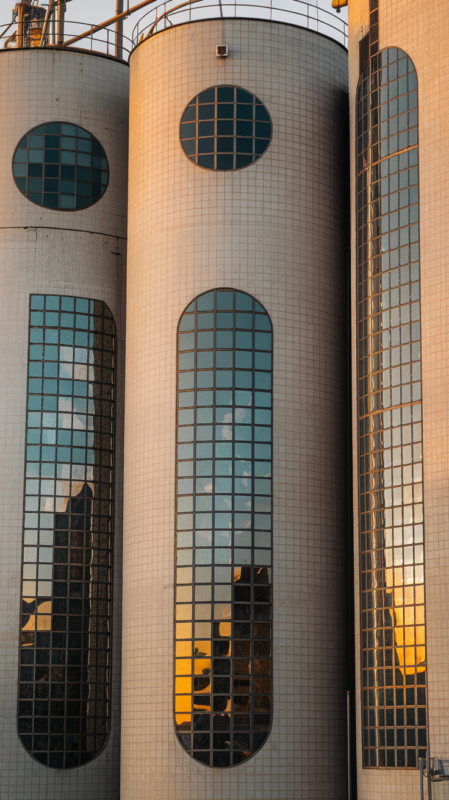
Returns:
<point x="236" y="405"/>
<point x="63" y="167"/>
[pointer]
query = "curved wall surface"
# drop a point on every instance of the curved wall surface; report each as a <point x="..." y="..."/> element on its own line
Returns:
<point x="56" y="256"/>
<point x="401" y="26"/>
<point x="277" y="230"/>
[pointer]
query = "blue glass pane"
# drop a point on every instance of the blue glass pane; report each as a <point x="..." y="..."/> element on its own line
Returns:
<point x="228" y="110"/>
<point x="72" y="532"/>
<point x="58" y="160"/>
<point x="230" y="528"/>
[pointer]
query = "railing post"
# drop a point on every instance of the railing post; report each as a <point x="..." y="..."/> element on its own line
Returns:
<point x="60" y="22"/>
<point x="20" y="31"/>
<point x="119" y="30"/>
<point x="53" y="26"/>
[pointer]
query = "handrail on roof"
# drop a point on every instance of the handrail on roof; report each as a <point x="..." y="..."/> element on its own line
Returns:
<point x="37" y="27"/>
<point x="293" y="12"/>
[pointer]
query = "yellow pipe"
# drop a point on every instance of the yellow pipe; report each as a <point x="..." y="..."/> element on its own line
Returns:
<point x="339" y="4"/>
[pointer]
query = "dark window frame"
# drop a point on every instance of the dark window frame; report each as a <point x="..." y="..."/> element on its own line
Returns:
<point x="40" y="130"/>
<point x="389" y="413"/>
<point x="247" y="592"/>
<point x="247" y="154"/>
<point x="75" y="680"/>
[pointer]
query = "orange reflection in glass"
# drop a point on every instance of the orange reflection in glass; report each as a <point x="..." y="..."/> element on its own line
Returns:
<point x="183" y="721"/>
<point x="183" y="685"/>
<point x="419" y="614"/>
<point x="419" y="595"/>
<point x="43" y="622"/>
<point x="420" y="659"/>
<point x="202" y="649"/>
<point x="40" y="621"/>
<point x="409" y="641"/>
<point x="183" y="630"/>
<point x="225" y="628"/>
<point x="202" y="666"/>
<point x="183" y="649"/>
<point x="202" y="685"/>
<point x="183" y="702"/>
<point x="409" y="598"/>
<point x="409" y="615"/>
<point x="183" y="666"/>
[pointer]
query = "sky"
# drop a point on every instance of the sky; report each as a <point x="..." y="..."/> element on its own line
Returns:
<point x="93" y="12"/>
<point x="103" y="9"/>
<point x="98" y="10"/>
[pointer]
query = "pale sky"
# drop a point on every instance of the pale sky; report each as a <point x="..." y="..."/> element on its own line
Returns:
<point x="103" y="9"/>
<point x="95" y="11"/>
<point x="98" y="10"/>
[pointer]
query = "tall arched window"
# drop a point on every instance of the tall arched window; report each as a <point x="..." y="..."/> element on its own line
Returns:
<point x="224" y="526"/>
<point x="65" y="651"/>
<point x="390" y="414"/>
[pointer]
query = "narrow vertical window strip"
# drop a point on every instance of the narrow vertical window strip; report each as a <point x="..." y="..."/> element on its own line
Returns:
<point x="65" y="651"/>
<point x="390" y="415"/>
<point x="224" y="526"/>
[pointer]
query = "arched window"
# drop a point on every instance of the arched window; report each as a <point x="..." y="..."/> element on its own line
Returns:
<point x="390" y="414"/>
<point x="224" y="528"/>
<point x="65" y="651"/>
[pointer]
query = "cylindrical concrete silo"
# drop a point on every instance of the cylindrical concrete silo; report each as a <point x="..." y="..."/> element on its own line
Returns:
<point x="63" y="167"/>
<point x="254" y="224"/>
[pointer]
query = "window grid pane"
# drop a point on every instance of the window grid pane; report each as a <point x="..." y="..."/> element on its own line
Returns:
<point x="65" y="653"/>
<point x="225" y="128"/>
<point x="224" y="524"/>
<point x="390" y="415"/>
<point x="61" y="166"/>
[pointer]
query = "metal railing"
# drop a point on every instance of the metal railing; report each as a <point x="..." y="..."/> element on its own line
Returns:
<point x="162" y="14"/>
<point x="104" y="41"/>
<point x="169" y="13"/>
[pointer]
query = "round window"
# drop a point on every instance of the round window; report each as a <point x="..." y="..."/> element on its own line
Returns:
<point x="61" y="166"/>
<point x="224" y="128"/>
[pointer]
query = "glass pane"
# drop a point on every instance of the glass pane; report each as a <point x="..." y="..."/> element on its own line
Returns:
<point x="233" y="113"/>
<point x="56" y="162"/>
<point x="390" y="433"/>
<point x="66" y="599"/>
<point x="229" y="577"/>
